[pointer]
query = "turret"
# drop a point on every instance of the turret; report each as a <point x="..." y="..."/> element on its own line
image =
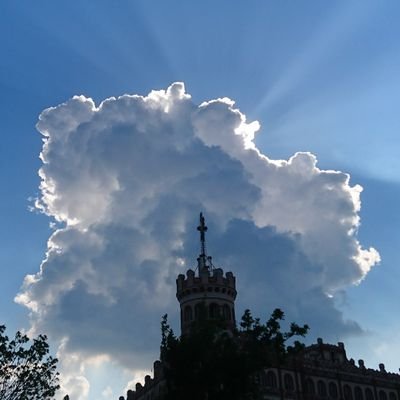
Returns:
<point x="206" y="292"/>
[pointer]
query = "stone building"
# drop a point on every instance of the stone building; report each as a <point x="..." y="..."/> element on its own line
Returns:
<point x="323" y="371"/>
<point x="320" y="372"/>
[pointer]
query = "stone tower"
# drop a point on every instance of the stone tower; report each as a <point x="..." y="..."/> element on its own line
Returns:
<point x="206" y="292"/>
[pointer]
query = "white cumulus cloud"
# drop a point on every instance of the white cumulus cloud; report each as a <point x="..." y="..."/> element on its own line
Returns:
<point x="126" y="180"/>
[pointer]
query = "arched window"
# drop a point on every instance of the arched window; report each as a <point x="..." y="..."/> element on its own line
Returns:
<point x="333" y="391"/>
<point x="263" y="378"/>
<point x="271" y="379"/>
<point x="358" y="394"/>
<point x="347" y="393"/>
<point x="214" y="310"/>
<point x="188" y="314"/>
<point x="226" y="312"/>
<point x="288" y="382"/>
<point x="368" y="394"/>
<point x="392" y="396"/>
<point x="321" y="388"/>
<point x="199" y="311"/>
<point x="382" y="395"/>
<point x="309" y="386"/>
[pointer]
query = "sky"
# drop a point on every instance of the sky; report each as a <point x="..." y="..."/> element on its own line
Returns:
<point x="121" y="121"/>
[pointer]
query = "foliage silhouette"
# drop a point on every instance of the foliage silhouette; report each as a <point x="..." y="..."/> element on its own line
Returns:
<point x="27" y="372"/>
<point x="214" y="363"/>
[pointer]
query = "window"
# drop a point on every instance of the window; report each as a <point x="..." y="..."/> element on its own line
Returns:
<point x="358" y="394"/>
<point x="347" y="393"/>
<point x="368" y="394"/>
<point x="309" y="386"/>
<point x="288" y="382"/>
<point x="214" y="310"/>
<point x="271" y="379"/>
<point x="321" y="387"/>
<point x="263" y="379"/>
<point x="382" y="395"/>
<point x="188" y="314"/>
<point x="333" y="392"/>
<point x="226" y="312"/>
<point x="199" y="311"/>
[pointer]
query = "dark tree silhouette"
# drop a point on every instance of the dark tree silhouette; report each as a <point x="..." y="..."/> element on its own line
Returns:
<point x="27" y="372"/>
<point x="213" y="363"/>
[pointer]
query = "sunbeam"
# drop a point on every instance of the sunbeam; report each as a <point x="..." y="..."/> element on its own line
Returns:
<point x="330" y="35"/>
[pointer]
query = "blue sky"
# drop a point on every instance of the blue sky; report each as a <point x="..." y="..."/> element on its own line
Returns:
<point x="318" y="76"/>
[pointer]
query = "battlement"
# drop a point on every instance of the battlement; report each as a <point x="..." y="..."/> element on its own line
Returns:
<point x="154" y="387"/>
<point x="208" y="282"/>
<point x="330" y="357"/>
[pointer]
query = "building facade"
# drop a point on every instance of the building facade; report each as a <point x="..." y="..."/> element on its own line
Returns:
<point x="323" y="372"/>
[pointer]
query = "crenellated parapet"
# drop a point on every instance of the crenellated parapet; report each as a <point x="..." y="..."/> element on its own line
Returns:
<point x="154" y="387"/>
<point x="331" y="359"/>
<point x="210" y="295"/>
<point x="207" y="284"/>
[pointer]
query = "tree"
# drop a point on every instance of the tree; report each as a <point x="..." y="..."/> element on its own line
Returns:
<point x="27" y="372"/>
<point x="267" y="344"/>
<point x="213" y="363"/>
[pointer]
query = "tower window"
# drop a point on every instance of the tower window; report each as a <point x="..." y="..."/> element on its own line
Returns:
<point x="226" y="312"/>
<point x="199" y="311"/>
<point x="188" y="314"/>
<point x="214" y="310"/>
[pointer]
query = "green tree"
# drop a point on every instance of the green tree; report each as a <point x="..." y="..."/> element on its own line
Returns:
<point x="27" y="371"/>
<point x="213" y="363"/>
